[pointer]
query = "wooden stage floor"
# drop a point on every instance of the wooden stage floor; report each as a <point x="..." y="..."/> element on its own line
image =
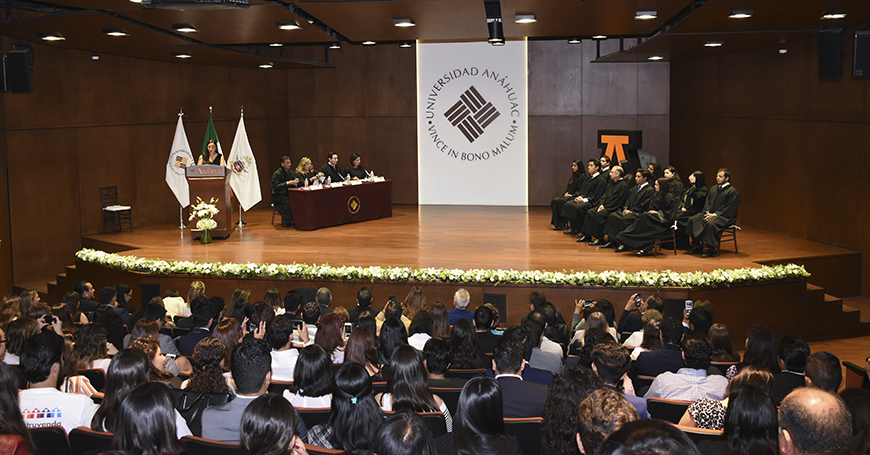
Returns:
<point x="462" y="237"/>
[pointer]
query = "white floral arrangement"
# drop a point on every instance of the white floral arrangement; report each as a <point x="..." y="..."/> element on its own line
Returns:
<point x="205" y="211"/>
<point x="325" y="272"/>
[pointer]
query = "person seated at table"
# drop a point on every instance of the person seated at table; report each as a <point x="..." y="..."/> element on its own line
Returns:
<point x="305" y="170"/>
<point x="330" y="171"/>
<point x="211" y="155"/>
<point x="355" y="171"/>
<point x="282" y="179"/>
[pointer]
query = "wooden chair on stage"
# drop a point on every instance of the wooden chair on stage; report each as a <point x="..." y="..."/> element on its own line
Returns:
<point x="730" y="234"/>
<point x="113" y="212"/>
<point x="670" y="237"/>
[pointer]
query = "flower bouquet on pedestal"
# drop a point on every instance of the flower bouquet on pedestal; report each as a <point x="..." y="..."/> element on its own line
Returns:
<point x="206" y="212"/>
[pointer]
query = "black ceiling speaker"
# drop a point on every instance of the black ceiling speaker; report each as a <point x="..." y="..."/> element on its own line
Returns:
<point x="861" y="60"/>
<point x="18" y="66"/>
<point x="196" y="4"/>
<point x="832" y="51"/>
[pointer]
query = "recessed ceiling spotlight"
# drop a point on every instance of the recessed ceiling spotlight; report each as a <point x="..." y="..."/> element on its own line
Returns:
<point x="574" y="41"/>
<point x="406" y="44"/>
<point x="741" y="14"/>
<point x="182" y="55"/>
<point x="525" y="18"/>
<point x="288" y="25"/>
<point x="135" y="1"/>
<point x="656" y="57"/>
<point x="50" y="36"/>
<point x="115" y="32"/>
<point x="403" y="23"/>
<point x="783" y="49"/>
<point x="646" y="15"/>
<point x="714" y="43"/>
<point x="835" y="14"/>
<point x="497" y="43"/>
<point x="183" y="28"/>
<point x="599" y="36"/>
<point x="95" y="56"/>
<point x="335" y="45"/>
<point x="369" y="43"/>
<point x="276" y="44"/>
<point x="265" y="65"/>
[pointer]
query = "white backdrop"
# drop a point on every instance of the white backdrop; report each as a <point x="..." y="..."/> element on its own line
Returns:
<point x="472" y="122"/>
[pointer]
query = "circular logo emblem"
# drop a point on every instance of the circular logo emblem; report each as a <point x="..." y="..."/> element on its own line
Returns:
<point x="179" y="160"/>
<point x="353" y="205"/>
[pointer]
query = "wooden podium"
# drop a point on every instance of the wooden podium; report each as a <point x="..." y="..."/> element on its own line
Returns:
<point x="208" y="182"/>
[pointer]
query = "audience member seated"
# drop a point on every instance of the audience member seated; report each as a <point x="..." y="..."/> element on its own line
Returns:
<point x="268" y="427"/>
<point x="155" y="312"/>
<point x="330" y="336"/>
<point x="750" y="425"/>
<point x="14" y="437"/>
<point x="151" y="347"/>
<point x="251" y="366"/>
<point x="814" y="422"/>
<point x="460" y="304"/>
<point x="230" y="333"/>
<point x="292" y="303"/>
<point x="542" y="358"/>
<point x="648" y="436"/>
<point x="467" y="354"/>
<point x="41" y="363"/>
<point x="87" y="294"/>
<point x="420" y="330"/>
<point x="700" y="321"/>
<point x="174" y="304"/>
<point x="530" y="373"/>
<point x="669" y="357"/>
<point x="71" y="299"/>
<point x="483" y="318"/>
<point x="363" y="303"/>
<point x="392" y="336"/>
<point x="548" y="344"/>
<point x="393" y="309"/>
<point x="436" y="358"/>
<point x="720" y="338"/>
<point x="18" y="332"/>
<point x="201" y="318"/>
<point x="146" y="422"/>
<point x="403" y="433"/>
<point x="115" y="329"/>
<point x="207" y="375"/>
<point x="652" y="339"/>
<point x="92" y="349"/>
<point x="408" y="386"/>
<point x="312" y="379"/>
<point x="595" y="320"/>
<point x="630" y="319"/>
<point x="823" y="372"/>
<point x="237" y="295"/>
<point x="146" y="327"/>
<point x="521" y="398"/>
<point x="561" y="419"/>
<point x="692" y="382"/>
<point x="611" y="362"/>
<point x="355" y="415"/>
<point x="710" y="414"/>
<point x="108" y="296"/>
<point x="761" y="349"/>
<point x="636" y="338"/>
<point x="310" y="315"/>
<point x="361" y="349"/>
<point x="440" y="321"/>
<point x="858" y="403"/>
<point x="600" y="414"/>
<point x="793" y="353"/>
<point x="284" y="355"/>
<point x="272" y="297"/>
<point x="479" y="428"/>
<point x="70" y="380"/>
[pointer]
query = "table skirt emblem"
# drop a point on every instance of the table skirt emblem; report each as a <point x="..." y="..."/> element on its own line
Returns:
<point x="353" y="205"/>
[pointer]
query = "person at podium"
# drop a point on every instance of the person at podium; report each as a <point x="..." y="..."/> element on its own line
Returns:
<point x="282" y="179"/>
<point x="305" y="171"/>
<point x="355" y="170"/>
<point x="330" y="171"/>
<point x="211" y="155"/>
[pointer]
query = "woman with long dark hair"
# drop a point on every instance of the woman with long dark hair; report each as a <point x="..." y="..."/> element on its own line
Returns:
<point x="467" y="353"/>
<point x="751" y="425"/>
<point x="440" y="321"/>
<point x="355" y="170"/>
<point x="393" y="335"/>
<point x="692" y="203"/>
<point x="420" y="330"/>
<point x="720" y="338"/>
<point x="211" y="155"/>
<point x="92" y="348"/>
<point x="14" y="436"/>
<point x="150" y="345"/>
<point x="312" y="379"/>
<point x="207" y="375"/>
<point x="268" y="427"/>
<point x="71" y="298"/>
<point x="355" y="415"/>
<point x="361" y="349"/>
<point x="230" y="333"/>
<point x="479" y="428"/>
<point x="571" y="191"/>
<point x="407" y="386"/>
<point x="330" y="335"/>
<point x="17" y="332"/>
<point x="415" y="302"/>
<point x="761" y="349"/>
<point x="146" y="422"/>
<point x="237" y="295"/>
<point x="710" y="414"/>
<point x="569" y="389"/>
<point x="676" y="183"/>
<point x="642" y="234"/>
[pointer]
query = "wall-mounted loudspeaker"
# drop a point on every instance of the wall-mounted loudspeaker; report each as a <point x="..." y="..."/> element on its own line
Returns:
<point x="861" y="59"/>
<point x="19" y="70"/>
<point x="831" y="53"/>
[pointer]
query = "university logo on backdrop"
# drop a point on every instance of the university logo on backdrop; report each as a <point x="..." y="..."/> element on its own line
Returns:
<point x="473" y="122"/>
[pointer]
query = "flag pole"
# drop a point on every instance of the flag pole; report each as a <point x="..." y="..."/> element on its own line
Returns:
<point x="241" y="223"/>
<point x="181" y="224"/>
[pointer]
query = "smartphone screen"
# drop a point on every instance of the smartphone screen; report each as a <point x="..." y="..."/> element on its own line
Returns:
<point x="587" y="303"/>
<point x="689" y="305"/>
<point x="348" y="327"/>
<point x="638" y="301"/>
<point x="297" y="324"/>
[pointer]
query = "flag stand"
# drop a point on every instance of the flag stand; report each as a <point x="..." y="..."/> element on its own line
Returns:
<point x="181" y="224"/>
<point x="241" y="223"/>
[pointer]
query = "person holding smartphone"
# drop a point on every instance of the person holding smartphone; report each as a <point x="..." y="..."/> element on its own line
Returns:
<point x="630" y="320"/>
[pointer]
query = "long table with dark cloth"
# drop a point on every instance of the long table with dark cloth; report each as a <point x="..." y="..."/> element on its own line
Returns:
<point x="313" y="209"/>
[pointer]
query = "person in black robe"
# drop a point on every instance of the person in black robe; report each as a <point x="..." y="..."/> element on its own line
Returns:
<point x="692" y="203"/>
<point x="639" y="199"/>
<point x="571" y="191"/>
<point x="642" y="234"/>
<point x="614" y="199"/>
<point x="675" y="182"/>
<point x="282" y="179"/>
<point x="305" y="171"/>
<point x="720" y="212"/>
<point x="590" y="196"/>
<point x="330" y="172"/>
<point x="655" y="170"/>
<point x="355" y="170"/>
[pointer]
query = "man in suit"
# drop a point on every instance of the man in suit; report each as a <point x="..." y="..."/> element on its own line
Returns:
<point x="520" y="398"/>
<point x="614" y="198"/>
<point x="460" y="304"/>
<point x="669" y="357"/>
<point x="638" y="202"/>
<point x="482" y="323"/>
<point x="363" y="303"/>
<point x="324" y="299"/>
<point x="792" y="353"/>
<point x="589" y="196"/>
<point x="720" y="211"/>
<point x="330" y="171"/>
<point x="201" y="316"/>
<point x="251" y="366"/>
<point x="86" y="297"/>
<point x="282" y="179"/>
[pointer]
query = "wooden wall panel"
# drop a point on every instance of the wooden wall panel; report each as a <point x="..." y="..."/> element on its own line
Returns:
<point x="553" y="145"/>
<point x="555" y="78"/>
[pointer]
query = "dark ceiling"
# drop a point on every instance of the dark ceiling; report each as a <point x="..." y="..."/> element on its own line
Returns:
<point x="242" y="37"/>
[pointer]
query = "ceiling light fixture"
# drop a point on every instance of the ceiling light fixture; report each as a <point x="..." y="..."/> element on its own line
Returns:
<point x="525" y="18"/>
<point x="496" y="31"/>
<point x="403" y="23"/>
<point x="835" y="14"/>
<point x="714" y="43"/>
<point x="95" y="56"/>
<point x="288" y="25"/>
<point x="183" y="28"/>
<point x="498" y="43"/>
<point x="50" y="36"/>
<point x="646" y="15"/>
<point x="655" y="57"/>
<point x="783" y="49"/>
<point x="182" y="55"/>
<point x="135" y="1"/>
<point x="406" y="44"/>
<point x="574" y="41"/>
<point x="276" y="44"/>
<point x="599" y="37"/>
<point x="266" y="65"/>
<point x="115" y="32"/>
<point x="369" y="43"/>
<point x="741" y="14"/>
<point x="335" y="45"/>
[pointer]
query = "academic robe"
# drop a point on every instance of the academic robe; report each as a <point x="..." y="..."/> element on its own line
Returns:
<point x="641" y="235"/>
<point x="724" y="203"/>
<point x="638" y="202"/>
<point x="614" y="199"/>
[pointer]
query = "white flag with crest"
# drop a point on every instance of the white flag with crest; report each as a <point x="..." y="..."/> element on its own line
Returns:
<point x="179" y="158"/>
<point x="244" y="180"/>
